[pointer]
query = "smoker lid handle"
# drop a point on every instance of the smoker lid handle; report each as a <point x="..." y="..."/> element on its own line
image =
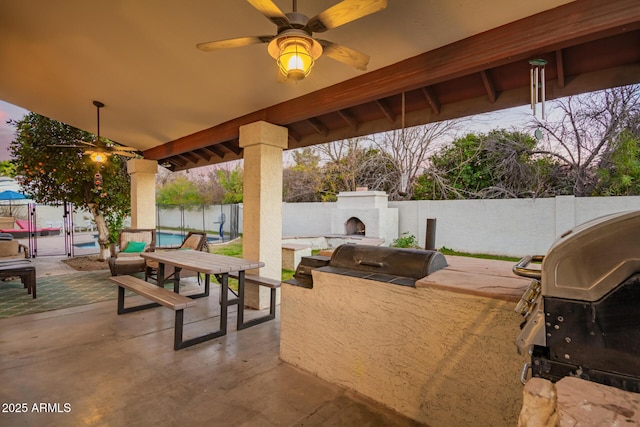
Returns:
<point x="520" y="269"/>
<point x="370" y="263"/>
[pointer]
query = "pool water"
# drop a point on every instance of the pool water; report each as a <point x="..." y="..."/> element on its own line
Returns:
<point x="163" y="239"/>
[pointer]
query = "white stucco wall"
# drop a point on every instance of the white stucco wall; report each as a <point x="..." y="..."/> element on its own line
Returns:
<point x="306" y="219"/>
<point x="515" y="227"/>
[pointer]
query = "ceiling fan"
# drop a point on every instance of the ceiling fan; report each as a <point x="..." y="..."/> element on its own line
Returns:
<point x="293" y="47"/>
<point x="99" y="149"/>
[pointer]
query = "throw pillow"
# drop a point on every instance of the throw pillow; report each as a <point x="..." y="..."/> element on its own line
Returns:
<point x="134" y="247"/>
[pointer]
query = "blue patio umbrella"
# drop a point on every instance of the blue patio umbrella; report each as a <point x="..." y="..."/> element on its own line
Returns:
<point x="11" y="195"/>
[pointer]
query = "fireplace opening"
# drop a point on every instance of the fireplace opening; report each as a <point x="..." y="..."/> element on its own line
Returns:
<point x="355" y="227"/>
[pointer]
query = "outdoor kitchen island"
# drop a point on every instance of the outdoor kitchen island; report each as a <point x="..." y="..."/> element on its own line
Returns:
<point x="441" y="353"/>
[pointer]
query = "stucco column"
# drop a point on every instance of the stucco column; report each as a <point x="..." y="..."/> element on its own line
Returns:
<point x="262" y="203"/>
<point x="143" y="192"/>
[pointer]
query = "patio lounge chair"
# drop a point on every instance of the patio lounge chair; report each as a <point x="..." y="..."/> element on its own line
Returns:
<point x="195" y="240"/>
<point x="24" y="229"/>
<point x="125" y="254"/>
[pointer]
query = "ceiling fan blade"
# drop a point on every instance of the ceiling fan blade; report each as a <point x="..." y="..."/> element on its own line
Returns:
<point x="91" y="144"/>
<point x="344" y="54"/>
<point x="65" y="146"/>
<point x="122" y="148"/>
<point x="230" y="43"/>
<point x="344" y="12"/>
<point x="271" y="11"/>
<point x="123" y="153"/>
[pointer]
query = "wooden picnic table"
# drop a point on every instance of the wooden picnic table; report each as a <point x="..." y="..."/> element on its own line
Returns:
<point x="208" y="264"/>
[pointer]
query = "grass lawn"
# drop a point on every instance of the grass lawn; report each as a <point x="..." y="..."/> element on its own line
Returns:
<point x="234" y="249"/>
<point x="447" y="251"/>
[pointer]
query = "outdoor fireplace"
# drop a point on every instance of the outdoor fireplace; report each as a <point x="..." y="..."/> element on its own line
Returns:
<point x="365" y="213"/>
<point x="355" y="227"/>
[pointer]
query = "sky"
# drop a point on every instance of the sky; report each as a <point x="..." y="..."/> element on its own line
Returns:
<point x="7" y="132"/>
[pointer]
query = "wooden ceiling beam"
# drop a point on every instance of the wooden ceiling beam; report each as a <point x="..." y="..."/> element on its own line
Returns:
<point x="199" y="153"/>
<point x="294" y="136"/>
<point x="567" y="25"/>
<point x="318" y="126"/>
<point x="488" y="86"/>
<point x="214" y="151"/>
<point x="175" y="161"/>
<point x="189" y="157"/>
<point x="348" y="118"/>
<point x="233" y="146"/>
<point x="185" y="158"/>
<point x="431" y="98"/>
<point x="388" y="113"/>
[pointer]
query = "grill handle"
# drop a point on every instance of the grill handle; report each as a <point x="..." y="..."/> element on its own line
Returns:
<point x="370" y="263"/>
<point x="520" y="269"/>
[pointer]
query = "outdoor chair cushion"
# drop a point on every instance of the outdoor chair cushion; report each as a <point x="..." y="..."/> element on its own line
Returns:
<point x="128" y="255"/>
<point x="135" y="236"/>
<point x="135" y="246"/>
<point x="192" y="242"/>
<point x="131" y="242"/>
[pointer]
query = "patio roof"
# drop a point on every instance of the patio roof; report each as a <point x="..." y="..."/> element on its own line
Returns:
<point x="183" y="107"/>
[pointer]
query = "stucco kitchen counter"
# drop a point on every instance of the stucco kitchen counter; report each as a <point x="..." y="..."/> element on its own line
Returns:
<point x="475" y="276"/>
<point x="441" y="353"/>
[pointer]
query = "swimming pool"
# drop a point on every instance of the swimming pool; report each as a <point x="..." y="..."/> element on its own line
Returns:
<point x="163" y="239"/>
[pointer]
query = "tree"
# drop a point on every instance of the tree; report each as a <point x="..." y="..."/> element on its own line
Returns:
<point x="353" y="163"/>
<point x="302" y="182"/>
<point x="409" y="150"/>
<point x="7" y="168"/>
<point x="456" y="171"/>
<point x="232" y="183"/>
<point x="179" y="191"/>
<point x="622" y="176"/>
<point x="582" y="132"/>
<point x="52" y="175"/>
<point x="209" y="187"/>
<point x="500" y="164"/>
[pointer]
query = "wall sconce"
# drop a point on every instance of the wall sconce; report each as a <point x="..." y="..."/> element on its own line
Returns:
<point x="295" y="53"/>
<point x="537" y="82"/>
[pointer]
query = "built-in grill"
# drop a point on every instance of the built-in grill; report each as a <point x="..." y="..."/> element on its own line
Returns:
<point x="397" y="266"/>
<point x="582" y="309"/>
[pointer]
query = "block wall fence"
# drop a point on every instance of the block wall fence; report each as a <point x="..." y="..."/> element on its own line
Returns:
<point x="512" y="227"/>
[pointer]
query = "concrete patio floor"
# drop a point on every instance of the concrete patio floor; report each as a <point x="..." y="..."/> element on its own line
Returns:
<point x="89" y="366"/>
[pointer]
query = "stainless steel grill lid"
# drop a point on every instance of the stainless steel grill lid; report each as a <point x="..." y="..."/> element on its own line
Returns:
<point x="581" y="310"/>
<point x="590" y="260"/>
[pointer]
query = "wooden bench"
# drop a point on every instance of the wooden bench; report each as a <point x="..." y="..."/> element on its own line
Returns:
<point x="160" y="296"/>
<point x="267" y="282"/>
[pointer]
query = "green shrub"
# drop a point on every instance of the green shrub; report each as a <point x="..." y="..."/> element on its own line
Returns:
<point x="405" y="241"/>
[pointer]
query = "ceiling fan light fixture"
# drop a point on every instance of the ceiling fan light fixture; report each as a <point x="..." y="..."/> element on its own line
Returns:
<point x="295" y="54"/>
<point x="98" y="156"/>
